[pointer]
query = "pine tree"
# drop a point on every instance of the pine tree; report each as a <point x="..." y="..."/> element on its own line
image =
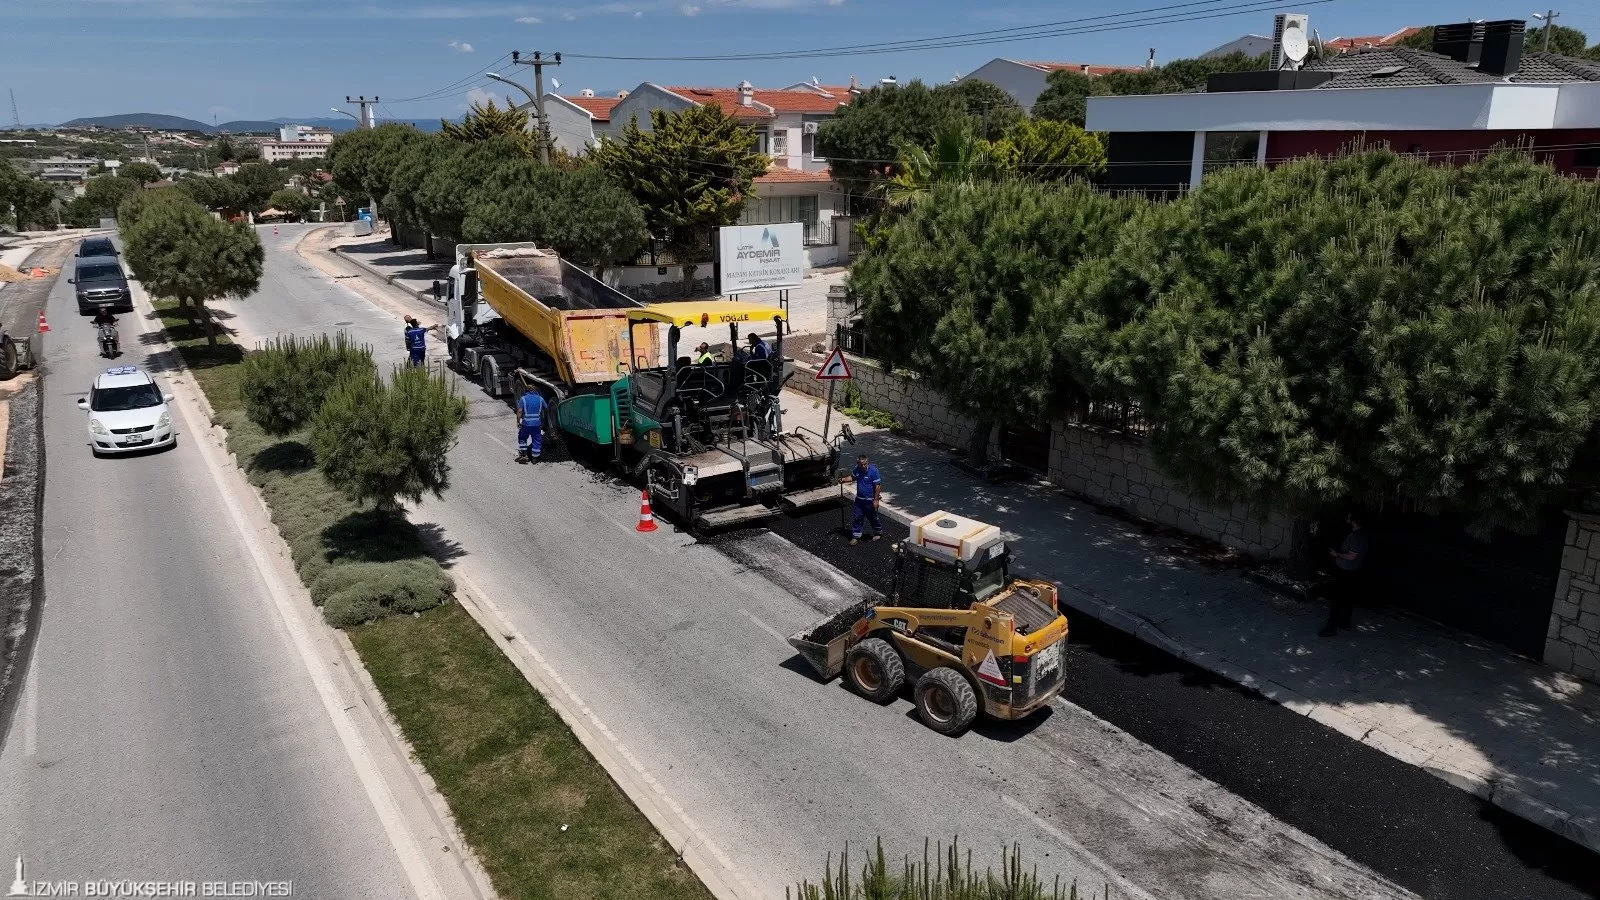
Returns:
<point x="383" y="441"/>
<point x="178" y="250"/>
<point x="691" y="173"/>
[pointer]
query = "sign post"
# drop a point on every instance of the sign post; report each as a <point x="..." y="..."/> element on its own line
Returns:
<point x="834" y="370"/>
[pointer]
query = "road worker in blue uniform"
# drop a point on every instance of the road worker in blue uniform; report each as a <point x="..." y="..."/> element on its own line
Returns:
<point x="416" y="341"/>
<point x="530" y="418"/>
<point x="758" y="347"/>
<point x="869" y="493"/>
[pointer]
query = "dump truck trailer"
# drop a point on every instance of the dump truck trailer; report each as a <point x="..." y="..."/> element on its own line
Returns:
<point x="967" y="637"/>
<point x="705" y="440"/>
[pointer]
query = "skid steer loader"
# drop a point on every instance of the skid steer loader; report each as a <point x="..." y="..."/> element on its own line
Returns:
<point x="956" y="627"/>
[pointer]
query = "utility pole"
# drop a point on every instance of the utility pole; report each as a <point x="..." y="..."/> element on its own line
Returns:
<point x="1548" y="18"/>
<point x="539" y="62"/>
<point x="369" y="118"/>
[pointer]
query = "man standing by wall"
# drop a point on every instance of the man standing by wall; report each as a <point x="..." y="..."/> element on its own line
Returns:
<point x="1349" y="567"/>
<point x="869" y="493"/>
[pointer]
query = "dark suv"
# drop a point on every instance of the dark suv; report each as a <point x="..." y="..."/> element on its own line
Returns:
<point x="96" y="246"/>
<point x="101" y="285"/>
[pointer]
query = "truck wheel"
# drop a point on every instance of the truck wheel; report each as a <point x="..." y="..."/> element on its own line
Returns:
<point x="875" y="670"/>
<point x="945" y="701"/>
<point x="489" y="376"/>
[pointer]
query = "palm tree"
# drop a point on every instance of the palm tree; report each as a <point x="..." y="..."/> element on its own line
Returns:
<point x="958" y="156"/>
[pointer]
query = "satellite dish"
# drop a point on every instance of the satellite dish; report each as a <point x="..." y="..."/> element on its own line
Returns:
<point x="555" y="83"/>
<point x="1295" y="42"/>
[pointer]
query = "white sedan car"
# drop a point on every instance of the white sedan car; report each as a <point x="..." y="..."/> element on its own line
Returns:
<point x="127" y="412"/>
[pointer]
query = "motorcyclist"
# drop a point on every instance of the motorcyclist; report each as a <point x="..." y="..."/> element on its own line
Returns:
<point x="109" y="343"/>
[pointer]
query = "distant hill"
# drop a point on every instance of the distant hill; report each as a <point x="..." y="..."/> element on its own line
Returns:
<point x="250" y="126"/>
<point x="146" y="120"/>
<point x="238" y="126"/>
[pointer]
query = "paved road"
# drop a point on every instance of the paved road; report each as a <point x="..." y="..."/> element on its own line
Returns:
<point x="678" y="648"/>
<point x="166" y="729"/>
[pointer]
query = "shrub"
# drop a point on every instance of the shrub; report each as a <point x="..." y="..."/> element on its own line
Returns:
<point x="943" y="873"/>
<point x="285" y="383"/>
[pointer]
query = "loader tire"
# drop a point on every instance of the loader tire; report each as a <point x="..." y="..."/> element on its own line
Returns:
<point x="945" y="701"/>
<point x="875" y="670"/>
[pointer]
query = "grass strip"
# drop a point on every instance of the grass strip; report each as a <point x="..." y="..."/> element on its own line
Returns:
<point x="510" y="769"/>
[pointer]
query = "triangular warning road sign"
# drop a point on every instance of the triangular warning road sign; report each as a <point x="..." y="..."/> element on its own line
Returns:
<point x="989" y="671"/>
<point x="834" y="368"/>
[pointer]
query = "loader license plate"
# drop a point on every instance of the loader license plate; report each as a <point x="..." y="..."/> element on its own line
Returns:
<point x="1048" y="660"/>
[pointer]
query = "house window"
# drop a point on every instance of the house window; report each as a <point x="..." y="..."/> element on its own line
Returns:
<point x="778" y="210"/>
<point x="780" y="142"/>
<point x="808" y="146"/>
<point x="1586" y="158"/>
<point x="1226" y="149"/>
<point x="761" y="143"/>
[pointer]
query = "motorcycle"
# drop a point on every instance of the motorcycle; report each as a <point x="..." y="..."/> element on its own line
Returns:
<point x="110" y="344"/>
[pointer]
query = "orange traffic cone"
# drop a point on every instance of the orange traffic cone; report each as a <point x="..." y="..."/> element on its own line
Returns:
<point x="647" y="520"/>
<point x="274" y="231"/>
<point x="43" y="325"/>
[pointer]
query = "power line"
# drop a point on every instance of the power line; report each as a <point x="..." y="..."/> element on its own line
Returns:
<point x="460" y="84"/>
<point x="1161" y="15"/>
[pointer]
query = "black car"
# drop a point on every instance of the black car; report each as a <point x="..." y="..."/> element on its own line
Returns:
<point x="96" y="246"/>
<point x="101" y="285"/>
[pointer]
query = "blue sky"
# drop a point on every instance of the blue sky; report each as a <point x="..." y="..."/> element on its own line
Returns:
<point x="268" y="58"/>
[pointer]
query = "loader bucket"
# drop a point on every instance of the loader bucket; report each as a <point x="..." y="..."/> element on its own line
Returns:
<point x="824" y="644"/>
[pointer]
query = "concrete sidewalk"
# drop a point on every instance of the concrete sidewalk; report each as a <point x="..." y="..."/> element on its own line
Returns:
<point x="1520" y="735"/>
<point x="409" y="270"/>
<point x="1516" y="733"/>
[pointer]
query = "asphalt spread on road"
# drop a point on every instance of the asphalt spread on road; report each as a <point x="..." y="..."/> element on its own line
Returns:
<point x="1399" y="820"/>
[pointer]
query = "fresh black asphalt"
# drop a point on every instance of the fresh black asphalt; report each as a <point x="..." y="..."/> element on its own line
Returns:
<point x="1435" y="840"/>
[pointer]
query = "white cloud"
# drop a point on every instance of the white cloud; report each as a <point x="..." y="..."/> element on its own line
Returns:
<point x="479" y="97"/>
<point x="638" y="15"/>
<point x="529" y="20"/>
<point x="689" y="9"/>
<point x="461" y="46"/>
<point x="570" y="17"/>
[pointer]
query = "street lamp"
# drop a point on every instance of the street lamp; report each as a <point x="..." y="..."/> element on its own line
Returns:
<point x="532" y="100"/>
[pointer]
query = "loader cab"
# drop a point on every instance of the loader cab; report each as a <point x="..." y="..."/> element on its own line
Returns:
<point x="684" y="396"/>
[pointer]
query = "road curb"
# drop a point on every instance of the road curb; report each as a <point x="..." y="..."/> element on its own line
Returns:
<point x="1486" y="786"/>
<point x="698" y="852"/>
<point x="424" y="296"/>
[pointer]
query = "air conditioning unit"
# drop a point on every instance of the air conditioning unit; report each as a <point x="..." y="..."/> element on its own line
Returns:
<point x="808" y="128"/>
<point x="1290" y="40"/>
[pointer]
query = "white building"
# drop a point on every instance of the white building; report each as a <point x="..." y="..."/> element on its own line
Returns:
<point x="1025" y="81"/>
<point x="798" y="186"/>
<point x="275" y="151"/>
<point x="291" y="134"/>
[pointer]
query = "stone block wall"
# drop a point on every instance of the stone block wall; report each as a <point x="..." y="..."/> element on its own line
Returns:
<point x="1104" y="466"/>
<point x="1114" y="469"/>
<point x="1573" y="641"/>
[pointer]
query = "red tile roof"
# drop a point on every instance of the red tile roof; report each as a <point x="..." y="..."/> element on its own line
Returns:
<point x="1371" y="40"/>
<point x="804" y="100"/>
<point x="781" y="175"/>
<point x="599" y="107"/>
<point x="1085" y="68"/>
<point x="727" y="98"/>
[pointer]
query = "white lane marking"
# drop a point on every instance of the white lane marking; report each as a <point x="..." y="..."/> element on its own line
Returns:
<point x="765" y="627"/>
<point x="1107" y="872"/>
<point x="383" y="802"/>
<point x="491" y="437"/>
